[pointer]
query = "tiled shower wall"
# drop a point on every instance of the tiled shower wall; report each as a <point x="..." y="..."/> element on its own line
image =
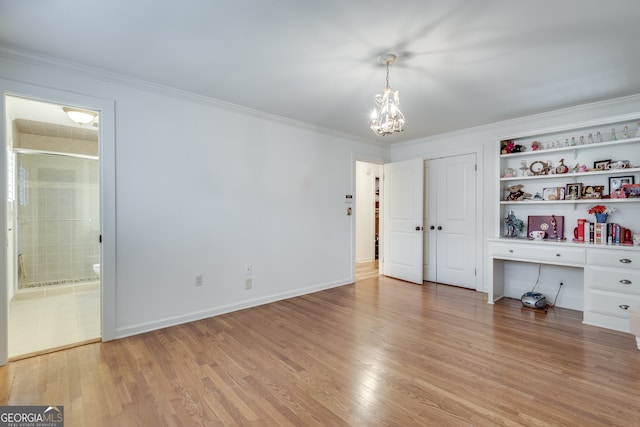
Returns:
<point x="58" y="219"/>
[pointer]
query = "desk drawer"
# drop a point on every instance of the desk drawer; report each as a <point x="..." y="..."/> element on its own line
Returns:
<point x="614" y="258"/>
<point x="613" y="279"/>
<point x="610" y="303"/>
<point x="537" y="253"/>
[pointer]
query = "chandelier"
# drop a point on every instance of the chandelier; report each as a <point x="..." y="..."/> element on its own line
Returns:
<point x="387" y="117"/>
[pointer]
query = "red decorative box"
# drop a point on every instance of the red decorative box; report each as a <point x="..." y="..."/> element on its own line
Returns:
<point x="552" y="225"/>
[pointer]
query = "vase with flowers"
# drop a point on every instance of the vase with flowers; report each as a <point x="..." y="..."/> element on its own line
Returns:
<point x="601" y="212"/>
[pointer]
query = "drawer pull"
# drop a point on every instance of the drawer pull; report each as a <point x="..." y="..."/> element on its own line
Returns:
<point x="558" y="254"/>
<point x="510" y="251"/>
<point x="625" y="261"/>
<point x="625" y="282"/>
<point x="624" y="306"/>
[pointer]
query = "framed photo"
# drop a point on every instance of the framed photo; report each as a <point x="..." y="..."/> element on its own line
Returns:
<point x="553" y="193"/>
<point x="601" y="164"/>
<point x="631" y="191"/>
<point x="616" y="182"/>
<point x="573" y="191"/>
<point x="592" y="191"/>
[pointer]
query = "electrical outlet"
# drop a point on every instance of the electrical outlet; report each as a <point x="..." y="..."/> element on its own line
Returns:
<point x="247" y="269"/>
<point x="247" y="283"/>
<point x="199" y="280"/>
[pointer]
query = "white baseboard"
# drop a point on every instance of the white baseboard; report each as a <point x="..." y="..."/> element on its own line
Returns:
<point x="216" y="311"/>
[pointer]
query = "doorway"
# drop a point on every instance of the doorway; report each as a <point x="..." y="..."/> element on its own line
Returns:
<point x="367" y="219"/>
<point x="53" y="224"/>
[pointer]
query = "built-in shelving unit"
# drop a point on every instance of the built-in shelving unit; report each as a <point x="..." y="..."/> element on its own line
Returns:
<point x="583" y="148"/>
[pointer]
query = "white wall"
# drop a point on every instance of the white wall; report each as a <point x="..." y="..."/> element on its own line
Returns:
<point x="484" y="141"/>
<point x="203" y="189"/>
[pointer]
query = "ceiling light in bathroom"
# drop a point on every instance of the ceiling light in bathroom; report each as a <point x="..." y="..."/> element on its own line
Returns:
<point x="82" y="117"/>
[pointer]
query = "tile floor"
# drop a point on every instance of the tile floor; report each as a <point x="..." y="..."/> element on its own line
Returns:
<point x="45" y="319"/>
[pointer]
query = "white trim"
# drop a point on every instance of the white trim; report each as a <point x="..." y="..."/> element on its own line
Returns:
<point x="520" y="120"/>
<point x="576" y="125"/>
<point x="204" y="314"/>
<point x="108" y="76"/>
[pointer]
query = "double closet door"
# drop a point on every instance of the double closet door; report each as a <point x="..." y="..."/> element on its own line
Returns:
<point x="450" y="220"/>
<point x="430" y="220"/>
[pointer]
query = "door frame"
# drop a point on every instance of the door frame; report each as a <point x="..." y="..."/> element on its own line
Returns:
<point x="106" y="109"/>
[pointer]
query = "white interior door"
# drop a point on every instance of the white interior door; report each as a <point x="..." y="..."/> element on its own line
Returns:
<point x="403" y="211"/>
<point x="451" y="221"/>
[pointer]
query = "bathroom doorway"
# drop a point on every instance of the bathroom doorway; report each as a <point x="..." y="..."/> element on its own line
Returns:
<point x="53" y="226"/>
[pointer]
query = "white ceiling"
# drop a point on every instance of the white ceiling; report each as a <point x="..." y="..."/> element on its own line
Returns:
<point x="462" y="63"/>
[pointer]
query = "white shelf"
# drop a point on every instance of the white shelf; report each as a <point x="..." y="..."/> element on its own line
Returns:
<point x="574" y="148"/>
<point x="569" y="202"/>
<point x="574" y="174"/>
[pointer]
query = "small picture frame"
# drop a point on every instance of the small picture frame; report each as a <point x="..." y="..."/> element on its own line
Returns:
<point x="553" y="193"/>
<point x="601" y="164"/>
<point x="616" y="182"/>
<point x="631" y="191"/>
<point x="592" y="191"/>
<point x="573" y="191"/>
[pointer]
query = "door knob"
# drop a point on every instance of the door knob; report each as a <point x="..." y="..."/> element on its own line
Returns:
<point x="432" y="227"/>
<point x="439" y="227"/>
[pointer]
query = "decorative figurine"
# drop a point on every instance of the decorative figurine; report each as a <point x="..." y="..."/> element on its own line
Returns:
<point x="523" y="167"/>
<point x="599" y="137"/>
<point x="562" y="168"/>
<point x="514" y="226"/>
<point x="516" y="194"/>
<point x="590" y="139"/>
<point x="539" y="168"/>
<point x="625" y="132"/>
<point x="613" y="135"/>
<point x="509" y="172"/>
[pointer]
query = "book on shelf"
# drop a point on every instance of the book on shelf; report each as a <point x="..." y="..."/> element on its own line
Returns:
<point x="602" y="233"/>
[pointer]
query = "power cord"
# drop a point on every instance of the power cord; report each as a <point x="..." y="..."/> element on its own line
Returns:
<point x="538" y="279"/>
<point x="557" y="293"/>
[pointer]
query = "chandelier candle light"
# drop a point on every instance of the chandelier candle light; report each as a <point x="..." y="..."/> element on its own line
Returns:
<point x="387" y="117"/>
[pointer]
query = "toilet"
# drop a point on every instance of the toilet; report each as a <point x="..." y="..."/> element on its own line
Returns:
<point x="96" y="269"/>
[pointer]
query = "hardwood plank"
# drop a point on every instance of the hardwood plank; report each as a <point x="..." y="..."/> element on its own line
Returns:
<point x="379" y="352"/>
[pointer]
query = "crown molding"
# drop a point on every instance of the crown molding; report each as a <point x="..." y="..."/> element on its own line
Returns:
<point x="522" y="121"/>
<point x="38" y="59"/>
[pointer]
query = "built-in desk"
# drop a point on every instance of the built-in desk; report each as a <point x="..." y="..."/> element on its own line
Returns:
<point x="611" y="274"/>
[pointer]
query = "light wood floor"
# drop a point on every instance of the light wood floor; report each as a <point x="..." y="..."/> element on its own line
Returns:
<point x="367" y="270"/>
<point x="380" y="352"/>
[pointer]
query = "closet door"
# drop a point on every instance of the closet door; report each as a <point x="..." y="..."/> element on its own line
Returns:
<point x="450" y="224"/>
